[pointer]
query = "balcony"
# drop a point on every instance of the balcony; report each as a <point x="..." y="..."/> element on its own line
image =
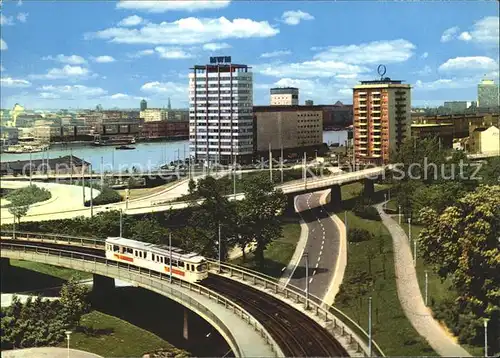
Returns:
<point x="362" y="123"/>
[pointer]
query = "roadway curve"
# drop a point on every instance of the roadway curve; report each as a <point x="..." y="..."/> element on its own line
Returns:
<point x="322" y="246"/>
<point x="65" y="198"/>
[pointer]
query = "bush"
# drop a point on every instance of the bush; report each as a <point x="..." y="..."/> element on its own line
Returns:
<point x="31" y="194"/>
<point x="107" y="196"/>
<point x="367" y="212"/>
<point x="359" y="235"/>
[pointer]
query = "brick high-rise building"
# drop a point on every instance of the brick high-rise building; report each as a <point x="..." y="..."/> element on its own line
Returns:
<point x="382" y="119"/>
<point x="220" y="112"/>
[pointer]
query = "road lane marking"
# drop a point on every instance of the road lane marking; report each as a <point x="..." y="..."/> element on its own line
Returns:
<point x="311" y="279"/>
<point x="317" y="264"/>
<point x="320" y="251"/>
<point x="319" y="258"/>
<point x="314" y="273"/>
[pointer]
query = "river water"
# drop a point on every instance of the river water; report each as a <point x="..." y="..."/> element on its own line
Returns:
<point x="145" y="156"/>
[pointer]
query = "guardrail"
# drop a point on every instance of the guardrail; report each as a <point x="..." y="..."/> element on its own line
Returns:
<point x="53" y="238"/>
<point x="148" y="278"/>
<point x="314" y="306"/>
<point x="342" y="324"/>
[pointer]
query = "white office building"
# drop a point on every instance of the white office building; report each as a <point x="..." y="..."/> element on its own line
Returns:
<point x="220" y="112"/>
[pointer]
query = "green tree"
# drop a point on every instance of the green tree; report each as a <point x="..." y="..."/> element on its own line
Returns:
<point x="463" y="242"/>
<point x="259" y="210"/>
<point x="490" y="172"/>
<point x="74" y="301"/>
<point x="192" y="186"/>
<point x="19" y="205"/>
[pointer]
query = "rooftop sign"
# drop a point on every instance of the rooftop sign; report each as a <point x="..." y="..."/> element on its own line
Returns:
<point x="220" y="59"/>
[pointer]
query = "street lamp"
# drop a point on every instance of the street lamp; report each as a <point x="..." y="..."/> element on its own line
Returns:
<point x="68" y="334"/>
<point x="121" y="222"/>
<point x="415" y="253"/>
<point x="426" y="286"/>
<point x="306" y="256"/>
<point x="369" y="326"/>
<point x="486" y="337"/>
<point x="399" y="214"/>
<point x="385" y="202"/>
<point x="219" y="247"/>
<point x="409" y="230"/>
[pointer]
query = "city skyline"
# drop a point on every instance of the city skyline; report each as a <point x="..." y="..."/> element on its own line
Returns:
<point x="129" y="51"/>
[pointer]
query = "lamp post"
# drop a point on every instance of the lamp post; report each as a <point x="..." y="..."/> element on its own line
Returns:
<point x="30" y="169"/>
<point x="121" y="222"/>
<point x="68" y="334"/>
<point x="70" y="166"/>
<point x="281" y="164"/>
<point x="486" y="337"/>
<point x="234" y="180"/>
<point x="409" y="230"/>
<point x="306" y="256"/>
<point x="83" y="180"/>
<point x="415" y="253"/>
<point x="91" y="194"/>
<point x="426" y="287"/>
<point x="369" y="326"/>
<point x="385" y="202"/>
<point x="399" y="214"/>
<point x="270" y="163"/>
<point x="305" y="171"/>
<point x="219" y="246"/>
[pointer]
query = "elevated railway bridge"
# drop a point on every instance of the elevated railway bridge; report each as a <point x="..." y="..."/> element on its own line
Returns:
<point x="254" y="313"/>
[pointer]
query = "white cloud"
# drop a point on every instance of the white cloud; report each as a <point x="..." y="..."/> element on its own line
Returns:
<point x="187" y="31"/>
<point x="172" y="53"/>
<point x="2" y="68"/>
<point x="22" y="17"/>
<point x="72" y="91"/>
<point x="465" y="36"/>
<point x="20" y="3"/>
<point x="6" y="21"/>
<point x="369" y="53"/>
<point x="309" y="69"/>
<point x="473" y="63"/>
<point x="449" y="34"/>
<point x="485" y="31"/>
<point x="275" y="53"/>
<point x="446" y="83"/>
<point x="215" y="46"/>
<point x="103" y="59"/>
<point x="427" y="70"/>
<point x="295" y="17"/>
<point x="141" y="53"/>
<point x="424" y="55"/>
<point x="319" y="90"/>
<point x="176" y="91"/>
<point x="164" y="6"/>
<point x="3" y="45"/>
<point x="70" y="60"/>
<point x="67" y="72"/>
<point x="120" y="96"/>
<point x="133" y="20"/>
<point x="13" y="82"/>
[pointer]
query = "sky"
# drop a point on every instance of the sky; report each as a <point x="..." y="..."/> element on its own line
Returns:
<point x="78" y="54"/>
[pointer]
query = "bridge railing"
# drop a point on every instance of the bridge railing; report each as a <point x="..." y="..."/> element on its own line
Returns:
<point x="150" y="278"/>
<point x="341" y="324"/>
<point x="53" y="238"/>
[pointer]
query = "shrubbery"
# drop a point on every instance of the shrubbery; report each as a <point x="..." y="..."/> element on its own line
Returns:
<point x="359" y="235"/>
<point x="38" y="322"/>
<point x="106" y="196"/>
<point x="366" y="212"/>
<point x="30" y="194"/>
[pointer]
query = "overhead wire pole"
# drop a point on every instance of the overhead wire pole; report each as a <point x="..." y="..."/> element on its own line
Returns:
<point x="121" y="222"/>
<point x="70" y="166"/>
<point x="270" y="164"/>
<point x="91" y="193"/>
<point x="102" y="172"/>
<point x="306" y="256"/>
<point x="30" y="169"/>
<point x="83" y="180"/>
<point x="304" y="171"/>
<point x="170" y="258"/>
<point x="219" y="247"/>
<point x="281" y="163"/>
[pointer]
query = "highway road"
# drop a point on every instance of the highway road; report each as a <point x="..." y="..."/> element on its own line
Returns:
<point x="65" y="198"/>
<point x="322" y="246"/>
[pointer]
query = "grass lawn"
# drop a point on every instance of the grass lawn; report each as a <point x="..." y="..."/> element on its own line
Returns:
<point x="112" y="337"/>
<point x="277" y="254"/>
<point x="391" y="329"/>
<point x="59" y="272"/>
<point x="140" y="192"/>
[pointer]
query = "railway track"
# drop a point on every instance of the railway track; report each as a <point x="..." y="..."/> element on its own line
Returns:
<point x="296" y="334"/>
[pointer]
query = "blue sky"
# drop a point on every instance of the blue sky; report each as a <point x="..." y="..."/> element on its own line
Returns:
<point x="72" y="54"/>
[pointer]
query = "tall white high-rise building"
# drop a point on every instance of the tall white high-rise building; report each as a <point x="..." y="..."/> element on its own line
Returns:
<point x="220" y="112"/>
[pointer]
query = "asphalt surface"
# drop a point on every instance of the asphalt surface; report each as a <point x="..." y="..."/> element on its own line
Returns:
<point x="322" y="246"/>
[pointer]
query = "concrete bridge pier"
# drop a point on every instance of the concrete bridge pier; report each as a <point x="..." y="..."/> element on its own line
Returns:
<point x="4" y="267"/>
<point x="335" y="201"/>
<point x="369" y="188"/>
<point x="185" y="327"/>
<point x="290" y="204"/>
<point x="102" y="284"/>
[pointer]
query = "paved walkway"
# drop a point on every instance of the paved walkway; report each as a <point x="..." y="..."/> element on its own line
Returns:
<point x="47" y="352"/>
<point x="410" y="296"/>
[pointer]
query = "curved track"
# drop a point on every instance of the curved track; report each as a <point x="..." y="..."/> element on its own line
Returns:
<point x="296" y="334"/>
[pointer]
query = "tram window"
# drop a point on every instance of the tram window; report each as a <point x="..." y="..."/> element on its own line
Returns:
<point x="161" y="259"/>
<point x="145" y="254"/>
<point x="201" y="267"/>
<point x="153" y="257"/>
<point x="130" y="251"/>
<point x="181" y="264"/>
<point x="116" y="248"/>
<point x="122" y="250"/>
<point x="135" y="253"/>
